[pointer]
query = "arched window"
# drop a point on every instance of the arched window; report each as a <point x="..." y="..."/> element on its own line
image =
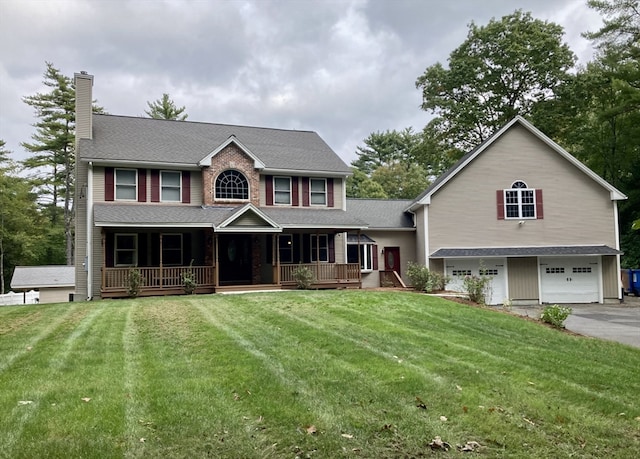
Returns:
<point x="520" y="201"/>
<point x="232" y="184"/>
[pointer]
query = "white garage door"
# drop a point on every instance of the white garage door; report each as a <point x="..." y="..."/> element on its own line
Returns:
<point x="457" y="269"/>
<point x="570" y="280"/>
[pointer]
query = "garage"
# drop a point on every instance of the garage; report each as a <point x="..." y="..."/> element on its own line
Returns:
<point x="457" y="269"/>
<point x="570" y="280"/>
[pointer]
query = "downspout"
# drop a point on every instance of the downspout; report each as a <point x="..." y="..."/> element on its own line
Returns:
<point x="89" y="255"/>
<point x="616" y="226"/>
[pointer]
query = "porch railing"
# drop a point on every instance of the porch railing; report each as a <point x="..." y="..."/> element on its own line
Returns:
<point x="156" y="277"/>
<point x="323" y="272"/>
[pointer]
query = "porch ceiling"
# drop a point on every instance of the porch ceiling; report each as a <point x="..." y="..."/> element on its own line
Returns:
<point x="488" y="252"/>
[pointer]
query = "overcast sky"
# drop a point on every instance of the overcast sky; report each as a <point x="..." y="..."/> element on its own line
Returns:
<point x="342" y="68"/>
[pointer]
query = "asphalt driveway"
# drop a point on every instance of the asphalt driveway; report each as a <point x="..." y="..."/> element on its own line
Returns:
<point x="613" y="322"/>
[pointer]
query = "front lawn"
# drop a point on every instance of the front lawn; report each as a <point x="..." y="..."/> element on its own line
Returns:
<point x="355" y="374"/>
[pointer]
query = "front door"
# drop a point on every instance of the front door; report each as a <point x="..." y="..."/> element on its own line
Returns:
<point x="392" y="259"/>
<point x="234" y="258"/>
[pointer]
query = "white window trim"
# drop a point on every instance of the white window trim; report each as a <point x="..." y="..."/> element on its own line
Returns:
<point x="520" y="204"/>
<point x="215" y="189"/>
<point x="181" y="249"/>
<point x="281" y="191"/>
<point x="318" y="237"/>
<point x="367" y="258"/>
<point x="116" y="250"/>
<point x="179" y="186"/>
<point x="115" y="184"/>
<point x="311" y="192"/>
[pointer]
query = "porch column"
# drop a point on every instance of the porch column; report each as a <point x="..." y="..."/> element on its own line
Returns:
<point x="216" y="279"/>
<point x="276" y="257"/>
<point x="161" y="275"/>
<point x="104" y="258"/>
<point x="360" y="260"/>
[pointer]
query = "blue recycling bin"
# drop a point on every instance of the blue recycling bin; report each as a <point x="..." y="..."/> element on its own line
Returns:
<point x="634" y="281"/>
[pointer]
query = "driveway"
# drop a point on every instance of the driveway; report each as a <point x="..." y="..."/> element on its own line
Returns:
<point x="613" y="322"/>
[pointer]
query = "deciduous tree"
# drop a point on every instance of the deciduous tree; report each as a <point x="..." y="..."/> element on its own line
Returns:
<point x="501" y="70"/>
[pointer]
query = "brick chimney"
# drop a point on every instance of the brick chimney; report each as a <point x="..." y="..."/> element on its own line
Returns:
<point x="84" y="101"/>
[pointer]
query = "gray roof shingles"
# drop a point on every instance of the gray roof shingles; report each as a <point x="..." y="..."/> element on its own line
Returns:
<point x="30" y="277"/>
<point x="525" y="251"/>
<point x="146" y="140"/>
<point x="106" y="214"/>
<point x="381" y="213"/>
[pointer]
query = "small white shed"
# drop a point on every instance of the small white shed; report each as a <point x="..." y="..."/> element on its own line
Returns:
<point x="55" y="283"/>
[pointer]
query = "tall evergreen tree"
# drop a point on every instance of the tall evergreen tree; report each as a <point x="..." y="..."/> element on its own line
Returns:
<point x="53" y="154"/>
<point x="21" y="224"/>
<point x="165" y="109"/>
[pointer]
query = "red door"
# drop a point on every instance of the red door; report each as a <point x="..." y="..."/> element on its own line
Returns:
<point x="392" y="259"/>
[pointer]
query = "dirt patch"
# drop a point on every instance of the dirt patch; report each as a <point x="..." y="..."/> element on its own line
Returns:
<point x="13" y="324"/>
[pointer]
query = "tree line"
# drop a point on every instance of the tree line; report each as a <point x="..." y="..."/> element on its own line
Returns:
<point x="519" y="65"/>
<point x="515" y="65"/>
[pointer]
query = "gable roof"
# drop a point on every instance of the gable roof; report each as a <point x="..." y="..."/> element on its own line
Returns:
<point x="30" y="277"/>
<point x="425" y="197"/>
<point x="382" y="213"/>
<point x="147" y="141"/>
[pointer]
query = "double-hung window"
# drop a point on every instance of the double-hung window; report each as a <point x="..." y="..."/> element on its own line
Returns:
<point x="520" y="201"/>
<point x="319" y="247"/>
<point x="285" y="245"/>
<point x="126" y="183"/>
<point x="282" y="190"/>
<point x="318" y="191"/>
<point x="126" y="249"/>
<point x="172" y="249"/>
<point x="170" y="186"/>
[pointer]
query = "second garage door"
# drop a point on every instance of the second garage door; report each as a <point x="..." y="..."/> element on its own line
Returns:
<point x="570" y="280"/>
<point x="457" y="269"/>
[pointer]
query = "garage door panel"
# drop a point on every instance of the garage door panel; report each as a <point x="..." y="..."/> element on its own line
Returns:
<point x="457" y="269"/>
<point x="569" y="280"/>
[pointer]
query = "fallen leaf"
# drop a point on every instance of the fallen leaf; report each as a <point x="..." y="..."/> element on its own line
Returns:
<point x="142" y="440"/>
<point x="25" y="402"/>
<point x="437" y="443"/>
<point x="638" y="418"/>
<point x="458" y="387"/>
<point x="420" y="403"/>
<point x="311" y="430"/>
<point x="347" y="436"/>
<point x="443" y="418"/>
<point x="622" y="414"/>
<point x="469" y="446"/>
<point x="85" y="399"/>
<point x="465" y="409"/>
<point x="532" y="383"/>
<point x="236" y="397"/>
<point x="29" y="348"/>
<point x="529" y="421"/>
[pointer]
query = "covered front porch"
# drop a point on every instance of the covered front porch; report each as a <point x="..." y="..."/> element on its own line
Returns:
<point x="221" y="249"/>
<point x="179" y="261"/>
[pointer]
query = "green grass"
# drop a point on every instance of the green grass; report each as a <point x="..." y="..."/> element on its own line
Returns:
<point x="307" y="374"/>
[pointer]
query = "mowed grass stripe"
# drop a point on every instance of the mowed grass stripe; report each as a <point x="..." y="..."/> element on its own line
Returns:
<point x="548" y="388"/>
<point x="62" y="371"/>
<point x="22" y="333"/>
<point x="330" y="387"/>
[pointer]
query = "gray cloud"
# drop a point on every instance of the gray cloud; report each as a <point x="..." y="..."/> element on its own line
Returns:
<point x="342" y="68"/>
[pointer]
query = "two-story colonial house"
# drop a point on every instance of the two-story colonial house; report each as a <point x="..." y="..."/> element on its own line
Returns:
<point x="239" y="207"/>
<point x="227" y="205"/>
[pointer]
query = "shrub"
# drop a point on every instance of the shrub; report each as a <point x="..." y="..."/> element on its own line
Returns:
<point x="189" y="280"/>
<point x="423" y="279"/>
<point x="478" y="288"/>
<point x="303" y="277"/>
<point x="555" y="315"/>
<point x="135" y="282"/>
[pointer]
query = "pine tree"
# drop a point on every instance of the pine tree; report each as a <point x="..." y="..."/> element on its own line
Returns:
<point x="165" y="109"/>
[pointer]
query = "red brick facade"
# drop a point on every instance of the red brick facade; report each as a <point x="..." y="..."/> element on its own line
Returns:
<point x="231" y="157"/>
